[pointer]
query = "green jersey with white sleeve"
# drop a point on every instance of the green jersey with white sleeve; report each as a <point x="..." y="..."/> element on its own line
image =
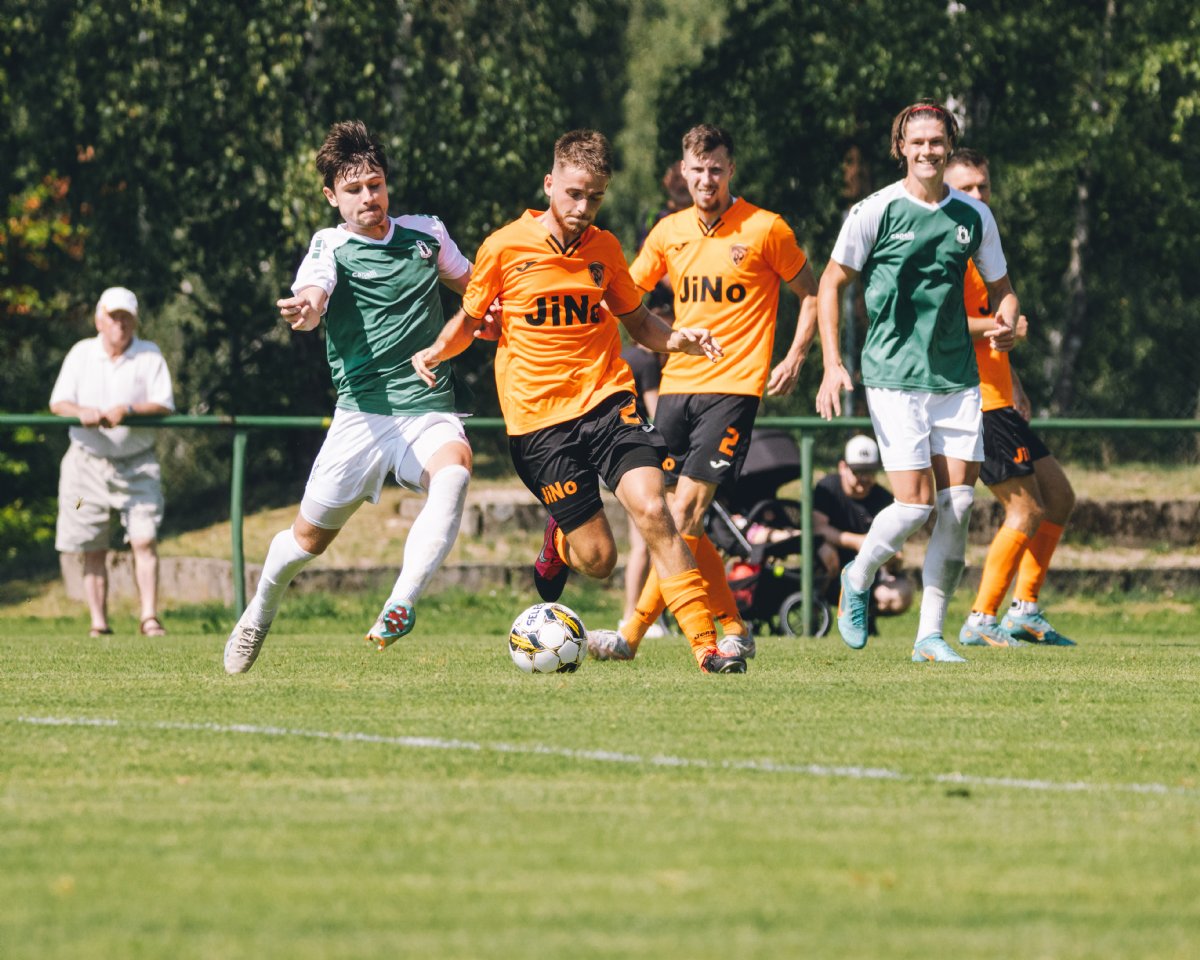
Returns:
<point x="384" y="305"/>
<point x="912" y="257"/>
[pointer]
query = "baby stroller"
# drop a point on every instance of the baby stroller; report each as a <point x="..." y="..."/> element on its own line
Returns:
<point x="761" y="535"/>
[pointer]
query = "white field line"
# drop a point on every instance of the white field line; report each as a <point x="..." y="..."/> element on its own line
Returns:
<point x="632" y="759"/>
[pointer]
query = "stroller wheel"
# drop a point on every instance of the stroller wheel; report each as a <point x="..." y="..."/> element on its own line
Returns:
<point x="791" y="617"/>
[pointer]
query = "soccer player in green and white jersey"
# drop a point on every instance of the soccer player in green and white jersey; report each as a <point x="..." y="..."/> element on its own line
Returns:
<point x="375" y="280"/>
<point x="910" y="244"/>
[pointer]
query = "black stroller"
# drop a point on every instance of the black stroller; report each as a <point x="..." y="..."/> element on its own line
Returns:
<point x="761" y="535"/>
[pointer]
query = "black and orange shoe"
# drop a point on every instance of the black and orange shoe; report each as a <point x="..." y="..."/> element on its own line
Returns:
<point x="717" y="662"/>
<point x="550" y="572"/>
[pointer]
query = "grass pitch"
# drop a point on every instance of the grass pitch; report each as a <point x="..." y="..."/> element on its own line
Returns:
<point x="433" y="802"/>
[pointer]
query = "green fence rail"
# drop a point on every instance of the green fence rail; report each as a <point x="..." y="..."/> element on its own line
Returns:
<point x="802" y="427"/>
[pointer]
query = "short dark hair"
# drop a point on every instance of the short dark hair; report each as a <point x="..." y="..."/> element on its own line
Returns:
<point x="968" y="157"/>
<point x="587" y="149"/>
<point x="932" y="107"/>
<point x="349" y="146"/>
<point x="705" y="138"/>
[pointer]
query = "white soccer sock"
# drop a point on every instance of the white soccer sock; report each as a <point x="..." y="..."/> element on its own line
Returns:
<point x="285" y="559"/>
<point x="432" y="533"/>
<point x="945" y="556"/>
<point x="893" y="525"/>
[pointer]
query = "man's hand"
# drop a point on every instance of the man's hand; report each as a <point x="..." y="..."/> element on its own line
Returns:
<point x="298" y="313"/>
<point x="696" y="341"/>
<point x="426" y="361"/>
<point x="1002" y="336"/>
<point x="113" y="416"/>
<point x="91" y="417"/>
<point x="784" y="377"/>
<point x="829" y="396"/>
<point x="489" y="328"/>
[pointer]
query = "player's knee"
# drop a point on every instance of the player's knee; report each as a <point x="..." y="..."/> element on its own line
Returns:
<point x="594" y="558"/>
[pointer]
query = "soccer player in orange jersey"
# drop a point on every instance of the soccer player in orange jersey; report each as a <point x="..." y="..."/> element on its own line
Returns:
<point x="725" y="259"/>
<point x="1022" y="474"/>
<point x="567" y="396"/>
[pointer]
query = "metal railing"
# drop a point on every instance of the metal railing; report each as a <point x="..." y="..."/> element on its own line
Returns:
<point x="803" y="427"/>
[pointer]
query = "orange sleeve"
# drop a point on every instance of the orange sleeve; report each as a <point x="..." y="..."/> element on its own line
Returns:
<point x="485" y="280"/>
<point x="781" y="251"/>
<point x="621" y="293"/>
<point x="650" y="264"/>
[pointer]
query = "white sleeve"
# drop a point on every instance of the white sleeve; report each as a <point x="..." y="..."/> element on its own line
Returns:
<point x="318" y="268"/>
<point x="989" y="258"/>
<point x="451" y="261"/>
<point x="66" y="387"/>
<point x="158" y="385"/>
<point x="859" y="232"/>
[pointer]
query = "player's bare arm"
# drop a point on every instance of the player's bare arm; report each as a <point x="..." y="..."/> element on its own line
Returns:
<point x="1021" y="402"/>
<point x="303" y="311"/>
<point x="786" y="374"/>
<point x="654" y="333"/>
<point x="1008" y="313"/>
<point x="980" y="327"/>
<point x="836" y="377"/>
<point x="460" y="331"/>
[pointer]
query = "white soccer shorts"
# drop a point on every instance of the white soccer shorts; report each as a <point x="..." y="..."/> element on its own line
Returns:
<point x="913" y="425"/>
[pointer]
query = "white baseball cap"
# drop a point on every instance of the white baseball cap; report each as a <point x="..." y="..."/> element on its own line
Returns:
<point x="118" y="298"/>
<point x="862" y="453"/>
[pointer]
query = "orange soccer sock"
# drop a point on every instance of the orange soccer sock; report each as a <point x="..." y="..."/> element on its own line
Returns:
<point x="1003" y="556"/>
<point x="560" y="544"/>
<point x="650" y="606"/>
<point x="720" y="598"/>
<point x="1036" y="562"/>
<point x="688" y="602"/>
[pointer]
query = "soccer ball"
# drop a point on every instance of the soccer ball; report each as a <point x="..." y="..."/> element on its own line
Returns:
<point x="548" y="638"/>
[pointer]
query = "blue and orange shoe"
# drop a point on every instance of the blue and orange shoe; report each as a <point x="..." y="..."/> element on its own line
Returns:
<point x="934" y="649"/>
<point x="986" y="635"/>
<point x="852" y="613"/>
<point x="396" y="621"/>
<point x="1033" y="628"/>
<point x="550" y="572"/>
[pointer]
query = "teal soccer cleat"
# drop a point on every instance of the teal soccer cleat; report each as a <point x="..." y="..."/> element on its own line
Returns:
<point x="1033" y="628"/>
<point x="852" y="613"/>
<point x="986" y="635"/>
<point x="934" y="649"/>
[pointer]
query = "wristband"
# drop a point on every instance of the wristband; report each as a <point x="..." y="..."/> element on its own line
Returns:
<point x="129" y="409"/>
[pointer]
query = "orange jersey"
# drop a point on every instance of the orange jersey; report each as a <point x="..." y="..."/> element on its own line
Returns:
<point x="726" y="278"/>
<point x="560" y="351"/>
<point x="995" y="374"/>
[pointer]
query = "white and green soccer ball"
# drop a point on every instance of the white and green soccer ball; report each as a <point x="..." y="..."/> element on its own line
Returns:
<point x="548" y="638"/>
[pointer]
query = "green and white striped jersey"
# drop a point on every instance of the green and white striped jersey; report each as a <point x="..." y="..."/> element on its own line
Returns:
<point x="384" y="306"/>
<point x="912" y="257"/>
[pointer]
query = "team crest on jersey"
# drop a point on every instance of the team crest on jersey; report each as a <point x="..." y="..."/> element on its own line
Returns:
<point x="963" y="234"/>
<point x="424" y="250"/>
<point x="596" y="269"/>
<point x="737" y="253"/>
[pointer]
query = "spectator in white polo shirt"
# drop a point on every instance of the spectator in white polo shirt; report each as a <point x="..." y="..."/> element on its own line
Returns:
<point x="109" y="466"/>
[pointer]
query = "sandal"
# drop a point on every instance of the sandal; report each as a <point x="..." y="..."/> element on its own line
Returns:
<point x="152" y="627"/>
<point x="100" y="632"/>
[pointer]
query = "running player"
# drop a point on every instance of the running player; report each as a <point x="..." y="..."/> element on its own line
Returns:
<point x="566" y="394"/>
<point x="1022" y="474"/>
<point x="725" y="259"/>
<point x="911" y="244"/>
<point x="374" y="279"/>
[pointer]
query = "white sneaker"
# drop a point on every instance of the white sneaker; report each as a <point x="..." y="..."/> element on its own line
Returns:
<point x="735" y="645"/>
<point x="608" y="645"/>
<point x="243" y="646"/>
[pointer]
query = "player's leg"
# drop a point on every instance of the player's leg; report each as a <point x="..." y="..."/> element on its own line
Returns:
<point x="349" y="469"/>
<point x="1025" y="619"/>
<point x="642" y="493"/>
<point x="431" y="453"/>
<point x="902" y="430"/>
<point x="637" y="571"/>
<point x="956" y="453"/>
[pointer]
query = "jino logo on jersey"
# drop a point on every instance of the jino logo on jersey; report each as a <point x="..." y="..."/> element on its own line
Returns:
<point x="564" y="311"/>
<point x="699" y="289"/>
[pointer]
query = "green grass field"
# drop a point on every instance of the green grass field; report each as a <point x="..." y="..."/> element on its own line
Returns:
<point x="433" y="802"/>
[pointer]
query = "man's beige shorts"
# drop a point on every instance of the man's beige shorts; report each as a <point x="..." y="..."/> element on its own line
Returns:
<point x="90" y="488"/>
